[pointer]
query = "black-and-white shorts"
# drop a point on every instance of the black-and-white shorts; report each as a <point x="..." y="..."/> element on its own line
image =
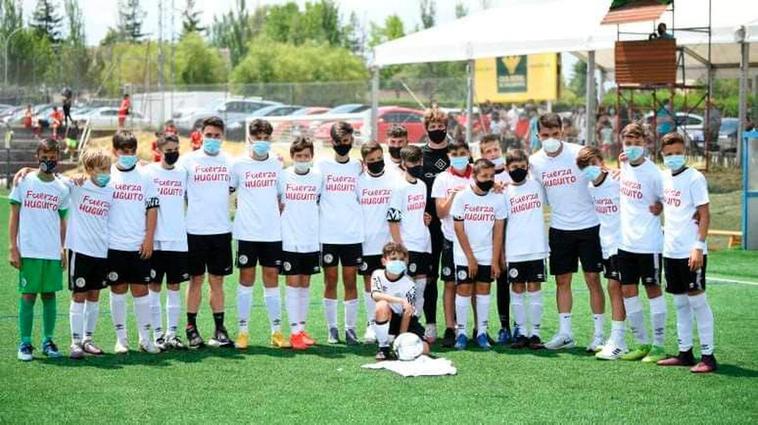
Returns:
<point x="567" y="247"/>
<point x="447" y="274"/>
<point x="86" y="273"/>
<point x="680" y="279"/>
<point x="370" y="264"/>
<point x="526" y="271"/>
<point x="483" y="274"/>
<point x="211" y="253"/>
<point x="300" y="263"/>
<point x="419" y="264"/>
<point x="349" y="255"/>
<point x="414" y="326"/>
<point x="173" y="265"/>
<point x="269" y="254"/>
<point x="611" y="268"/>
<point x="127" y="267"/>
<point x="636" y="267"/>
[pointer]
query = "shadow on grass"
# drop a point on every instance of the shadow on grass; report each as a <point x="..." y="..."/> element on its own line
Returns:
<point x="736" y="371"/>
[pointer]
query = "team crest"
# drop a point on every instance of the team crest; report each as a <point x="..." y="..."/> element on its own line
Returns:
<point x="462" y="275"/>
<point x="287" y="266"/>
<point x="153" y="273"/>
<point x="23" y="282"/>
<point x="185" y="276"/>
<point x="412" y="267"/>
<point x="446" y="271"/>
<point x="513" y="272"/>
<point x="328" y="258"/>
<point x="243" y="259"/>
<point x="80" y="282"/>
<point x="113" y="276"/>
<point x="364" y="266"/>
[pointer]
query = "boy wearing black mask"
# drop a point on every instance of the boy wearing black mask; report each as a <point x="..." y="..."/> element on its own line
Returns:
<point x="397" y="138"/>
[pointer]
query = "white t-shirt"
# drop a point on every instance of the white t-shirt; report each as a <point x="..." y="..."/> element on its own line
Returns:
<point x="87" y="227"/>
<point x="565" y="187"/>
<point x="257" y="183"/>
<point x="208" y="179"/>
<point x="607" y="207"/>
<point x="444" y="185"/>
<point x="682" y="194"/>
<point x="341" y="216"/>
<point x="525" y="238"/>
<point x="375" y="194"/>
<point x="171" y="185"/>
<point x="407" y="208"/>
<point x="404" y="287"/>
<point x="300" y="217"/>
<point x="41" y="206"/>
<point x="641" y="187"/>
<point x="132" y="192"/>
<point x="392" y="166"/>
<point x="478" y="213"/>
<point x="503" y="177"/>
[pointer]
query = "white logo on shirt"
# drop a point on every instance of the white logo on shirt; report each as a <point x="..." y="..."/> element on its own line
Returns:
<point x="364" y="267"/>
<point x="80" y="282"/>
<point x="153" y="273"/>
<point x="328" y="258"/>
<point x="113" y="276"/>
<point x="513" y="272"/>
<point x="287" y="266"/>
<point x="446" y="271"/>
<point x="462" y="274"/>
<point x="243" y="259"/>
<point x="412" y="267"/>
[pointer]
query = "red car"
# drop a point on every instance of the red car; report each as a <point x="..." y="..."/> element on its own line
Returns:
<point x="412" y="119"/>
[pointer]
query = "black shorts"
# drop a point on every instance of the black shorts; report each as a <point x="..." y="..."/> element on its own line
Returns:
<point x="680" y="279"/>
<point x="349" y="255"/>
<point x="86" y="273"/>
<point x="173" y="265"/>
<point x="414" y="326"/>
<point x="611" y="268"/>
<point x="300" y="263"/>
<point x="634" y="268"/>
<point x="250" y="253"/>
<point x="447" y="273"/>
<point x="211" y="253"/>
<point x="483" y="274"/>
<point x="569" y="246"/>
<point x="369" y="264"/>
<point x="127" y="267"/>
<point x="419" y="264"/>
<point x="526" y="271"/>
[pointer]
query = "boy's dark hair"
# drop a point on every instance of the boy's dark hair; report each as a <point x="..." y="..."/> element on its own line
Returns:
<point x="671" y="139"/>
<point x="489" y="138"/>
<point x="212" y="122"/>
<point x="456" y="144"/>
<point x="169" y="123"/>
<point x="633" y="129"/>
<point x="300" y="144"/>
<point x="549" y="120"/>
<point x="48" y="145"/>
<point x="516" y="155"/>
<point x="482" y="164"/>
<point x="369" y="148"/>
<point x="586" y="155"/>
<point x="258" y="126"/>
<point x="339" y="130"/>
<point x="411" y="153"/>
<point x="397" y="131"/>
<point x="124" y="139"/>
<point x="167" y="138"/>
<point x="394" y="248"/>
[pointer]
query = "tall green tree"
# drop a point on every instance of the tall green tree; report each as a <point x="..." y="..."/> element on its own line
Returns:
<point x="75" y="58"/>
<point x="460" y="10"/>
<point x="191" y="19"/>
<point x="130" y="20"/>
<point x="578" y="82"/>
<point x="46" y="21"/>
<point x="198" y="63"/>
<point x="11" y="16"/>
<point x="234" y="29"/>
<point x="428" y="13"/>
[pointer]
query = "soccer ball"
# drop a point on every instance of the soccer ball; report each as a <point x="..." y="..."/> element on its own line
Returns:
<point x="408" y="346"/>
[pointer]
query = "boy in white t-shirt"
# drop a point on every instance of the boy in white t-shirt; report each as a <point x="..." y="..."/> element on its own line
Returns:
<point x="341" y="231"/>
<point x="300" y="189"/>
<point x="375" y="187"/>
<point x="397" y="138"/>
<point x="479" y="216"/>
<point x="685" y="253"/>
<point x="525" y="250"/>
<point x="257" y="230"/>
<point x="639" y="253"/>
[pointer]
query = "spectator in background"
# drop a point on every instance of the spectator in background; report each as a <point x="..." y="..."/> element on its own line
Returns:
<point x="67" y="99"/>
<point x="496" y="125"/>
<point x="605" y="139"/>
<point x="664" y="118"/>
<point x="569" y="131"/>
<point x="28" y="114"/>
<point x="170" y="128"/>
<point x="714" y="123"/>
<point x="580" y="123"/>
<point x="196" y="139"/>
<point x="533" y="131"/>
<point x="123" y="111"/>
<point x="512" y="117"/>
<point x="157" y="153"/>
<point x="56" y="120"/>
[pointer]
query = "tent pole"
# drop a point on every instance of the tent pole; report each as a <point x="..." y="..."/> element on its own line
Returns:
<point x="591" y="99"/>
<point x="375" y="103"/>
<point x="744" y="67"/>
<point x="469" y="99"/>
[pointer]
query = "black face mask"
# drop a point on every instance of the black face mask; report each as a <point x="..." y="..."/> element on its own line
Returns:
<point x="395" y="151"/>
<point x="171" y="157"/>
<point x="518" y="175"/>
<point x="375" y="167"/>
<point x="48" y="165"/>
<point x="485" y="186"/>
<point x="416" y="171"/>
<point x="437" y="136"/>
<point x="342" y="150"/>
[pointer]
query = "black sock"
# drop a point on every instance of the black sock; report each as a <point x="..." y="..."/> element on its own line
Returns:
<point x="218" y="319"/>
<point x="503" y="297"/>
<point x="192" y="320"/>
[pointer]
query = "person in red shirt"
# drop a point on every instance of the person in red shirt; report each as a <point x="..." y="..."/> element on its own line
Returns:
<point x="28" y="114"/>
<point x="156" y="151"/>
<point x="196" y="139"/>
<point x="169" y="128"/>
<point x="123" y="111"/>
<point x="56" y="118"/>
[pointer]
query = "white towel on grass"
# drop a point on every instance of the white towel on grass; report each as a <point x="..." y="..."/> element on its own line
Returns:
<point x="422" y="366"/>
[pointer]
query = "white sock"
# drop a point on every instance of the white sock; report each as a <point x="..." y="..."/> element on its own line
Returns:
<point x="420" y="287"/>
<point x="535" y="312"/>
<point x="599" y="321"/>
<point x="482" y="313"/>
<point x="633" y="307"/>
<point x="76" y="320"/>
<point x="330" y="311"/>
<point x="244" y="302"/>
<point x="118" y="315"/>
<point x="142" y="313"/>
<point x="91" y="312"/>
<point x="519" y="313"/>
<point x="292" y="301"/>
<point x="305" y="301"/>
<point x="382" y="333"/>
<point x="461" y="313"/>
<point x="274" y="305"/>
<point x="173" y="310"/>
<point x="564" y="324"/>
<point x="155" y="313"/>
<point x="617" y="333"/>
<point x="351" y="313"/>
<point x="683" y="321"/>
<point x="658" y="319"/>
<point x="704" y="319"/>
<point x="370" y="307"/>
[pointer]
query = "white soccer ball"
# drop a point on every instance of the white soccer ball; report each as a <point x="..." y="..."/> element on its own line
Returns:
<point x="408" y="346"/>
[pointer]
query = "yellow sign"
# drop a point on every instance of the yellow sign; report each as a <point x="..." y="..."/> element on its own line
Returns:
<point x="517" y="78"/>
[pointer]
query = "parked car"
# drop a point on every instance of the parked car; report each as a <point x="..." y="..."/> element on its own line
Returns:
<point x="690" y="126"/>
<point x="106" y="118"/>
<point x="348" y="108"/>
<point x="728" y="135"/>
<point x="412" y="119"/>
<point x="230" y="111"/>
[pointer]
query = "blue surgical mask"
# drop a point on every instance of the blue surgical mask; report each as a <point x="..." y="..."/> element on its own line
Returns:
<point x="634" y="152"/>
<point x="396" y="267"/>
<point x="102" y="179"/>
<point x="459" y="162"/>
<point x="260" y="147"/>
<point x="499" y="162"/>
<point x="592" y="172"/>
<point x="302" y="167"/>
<point x="211" y="146"/>
<point x="127" y="161"/>
<point x="551" y="145"/>
<point x="674" y="162"/>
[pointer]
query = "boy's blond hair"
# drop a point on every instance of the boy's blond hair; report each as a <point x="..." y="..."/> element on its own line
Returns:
<point x="95" y="158"/>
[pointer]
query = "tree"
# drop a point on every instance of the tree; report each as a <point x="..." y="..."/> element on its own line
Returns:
<point x="234" y="29"/>
<point x="578" y="82"/>
<point x="197" y="63"/>
<point x="428" y="13"/>
<point x="460" y="10"/>
<point x="11" y="16"/>
<point x="354" y="35"/>
<point x="74" y="59"/>
<point x="75" y="21"/>
<point x="130" y="16"/>
<point x="46" y="21"/>
<point x="393" y="28"/>
<point x="191" y="22"/>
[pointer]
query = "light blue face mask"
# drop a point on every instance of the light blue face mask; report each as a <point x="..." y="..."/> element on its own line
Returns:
<point x="499" y="162"/>
<point x="459" y="162"/>
<point x="634" y="152"/>
<point x="102" y="179"/>
<point x="211" y="146"/>
<point x="674" y="162"/>
<point x="592" y="172"/>
<point x="127" y="161"/>
<point x="260" y="147"/>
<point x="551" y="145"/>
<point x="396" y="267"/>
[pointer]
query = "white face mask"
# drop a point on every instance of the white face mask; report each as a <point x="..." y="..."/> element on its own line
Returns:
<point x="551" y="145"/>
<point x="303" y="167"/>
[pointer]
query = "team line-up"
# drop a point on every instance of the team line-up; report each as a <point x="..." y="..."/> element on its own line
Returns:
<point x="402" y="219"/>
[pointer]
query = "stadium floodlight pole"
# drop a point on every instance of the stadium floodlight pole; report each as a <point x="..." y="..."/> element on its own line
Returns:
<point x="5" y="54"/>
